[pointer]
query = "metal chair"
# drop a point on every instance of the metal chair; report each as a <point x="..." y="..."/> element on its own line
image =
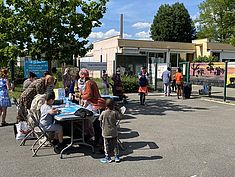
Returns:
<point x="122" y="110"/>
<point x="40" y="133"/>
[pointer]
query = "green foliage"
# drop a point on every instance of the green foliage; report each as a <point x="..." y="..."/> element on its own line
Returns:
<point x="206" y="59"/>
<point x="130" y="84"/>
<point x="172" y="23"/>
<point x="216" y="20"/>
<point x="54" y="30"/>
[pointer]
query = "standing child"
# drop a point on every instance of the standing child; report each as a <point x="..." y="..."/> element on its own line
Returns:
<point x="143" y="85"/>
<point x="47" y="121"/>
<point x="179" y="82"/>
<point x="109" y="119"/>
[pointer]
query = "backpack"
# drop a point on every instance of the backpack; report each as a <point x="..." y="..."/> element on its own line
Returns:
<point x="143" y="81"/>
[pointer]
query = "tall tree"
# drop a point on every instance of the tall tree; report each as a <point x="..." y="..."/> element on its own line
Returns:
<point x="7" y="50"/>
<point x="217" y="20"/>
<point x="172" y="23"/>
<point x="54" y="29"/>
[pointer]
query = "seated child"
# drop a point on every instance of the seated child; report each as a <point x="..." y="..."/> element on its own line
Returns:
<point x="109" y="119"/>
<point x="47" y="121"/>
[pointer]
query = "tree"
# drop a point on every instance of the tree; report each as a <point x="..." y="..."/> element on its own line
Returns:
<point x="172" y="23"/>
<point x="54" y="30"/>
<point x="7" y="21"/>
<point x="217" y="20"/>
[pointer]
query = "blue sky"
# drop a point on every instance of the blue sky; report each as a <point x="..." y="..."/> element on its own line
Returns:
<point x="138" y="16"/>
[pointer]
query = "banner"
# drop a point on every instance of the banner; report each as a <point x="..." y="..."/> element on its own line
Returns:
<point x="35" y="66"/>
<point x="212" y="73"/>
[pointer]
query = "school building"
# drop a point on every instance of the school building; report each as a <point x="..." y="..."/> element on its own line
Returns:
<point x="131" y="54"/>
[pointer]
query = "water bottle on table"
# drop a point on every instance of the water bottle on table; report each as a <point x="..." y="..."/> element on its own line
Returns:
<point x="66" y="101"/>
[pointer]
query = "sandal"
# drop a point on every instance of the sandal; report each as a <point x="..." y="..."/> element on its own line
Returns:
<point x="4" y="124"/>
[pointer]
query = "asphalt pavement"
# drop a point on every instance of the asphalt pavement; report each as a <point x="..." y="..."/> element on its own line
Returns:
<point x="168" y="137"/>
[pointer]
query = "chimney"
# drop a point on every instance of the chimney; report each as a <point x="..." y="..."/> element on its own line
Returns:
<point x="121" y="26"/>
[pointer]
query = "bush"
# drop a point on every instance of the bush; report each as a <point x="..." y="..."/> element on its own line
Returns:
<point x="206" y="59"/>
<point x="130" y="84"/>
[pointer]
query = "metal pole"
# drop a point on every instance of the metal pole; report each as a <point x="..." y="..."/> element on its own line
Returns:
<point x="225" y="80"/>
<point x="155" y="76"/>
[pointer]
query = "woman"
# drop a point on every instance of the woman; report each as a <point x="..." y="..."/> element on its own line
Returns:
<point x="91" y="93"/>
<point x="4" y="98"/>
<point x="91" y="96"/>
<point x="39" y="86"/>
<point x="143" y="85"/>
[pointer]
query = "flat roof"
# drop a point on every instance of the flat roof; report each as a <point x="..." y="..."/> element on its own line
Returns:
<point x="220" y="46"/>
<point x="155" y="44"/>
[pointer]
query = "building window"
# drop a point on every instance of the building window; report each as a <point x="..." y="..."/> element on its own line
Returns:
<point x="174" y="59"/>
<point x="216" y="55"/>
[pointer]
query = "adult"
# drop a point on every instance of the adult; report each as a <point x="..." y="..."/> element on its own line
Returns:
<point x="92" y="96"/>
<point x="105" y="83"/>
<point x="91" y="93"/>
<point x="32" y="77"/>
<point x="117" y="84"/>
<point x="67" y="80"/>
<point x="166" y="79"/>
<point x="4" y="98"/>
<point x="179" y="82"/>
<point x="143" y="85"/>
<point x="39" y="86"/>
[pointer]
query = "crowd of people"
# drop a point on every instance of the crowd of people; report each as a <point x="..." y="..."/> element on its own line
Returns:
<point x="38" y="96"/>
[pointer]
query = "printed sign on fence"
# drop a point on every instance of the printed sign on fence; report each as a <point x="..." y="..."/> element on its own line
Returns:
<point x="35" y="66"/>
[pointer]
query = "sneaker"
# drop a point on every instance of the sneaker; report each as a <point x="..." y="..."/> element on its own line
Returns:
<point x="117" y="159"/>
<point x="107" y="159"/>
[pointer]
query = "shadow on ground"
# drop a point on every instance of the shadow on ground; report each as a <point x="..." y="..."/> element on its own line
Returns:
<point x="158" y="107"/>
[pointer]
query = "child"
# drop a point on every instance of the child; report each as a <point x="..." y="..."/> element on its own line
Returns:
<point x="143" y="85"/>
<point x="109" y="119"/>
<point x="47" y="121"/>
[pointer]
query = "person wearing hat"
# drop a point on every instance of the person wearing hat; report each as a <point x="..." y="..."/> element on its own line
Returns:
<point x="91" y="92"/>
<point x="27" y="82"/>
<point x="91" y="96"/>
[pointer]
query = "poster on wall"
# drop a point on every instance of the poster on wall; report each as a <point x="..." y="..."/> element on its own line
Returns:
<point x="212" y="73"/>
<point x="35" y="66"/>
<point x="161" y="67"/>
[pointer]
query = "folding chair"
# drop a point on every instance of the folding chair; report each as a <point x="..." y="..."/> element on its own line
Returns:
<point x="40" y="133"/>
<point x="32" y="127"/>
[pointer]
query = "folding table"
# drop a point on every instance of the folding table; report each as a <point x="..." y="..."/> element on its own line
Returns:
<point x="67" y="114"/>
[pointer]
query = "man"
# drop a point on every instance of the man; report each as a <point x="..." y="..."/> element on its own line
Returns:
<point x="166" y="77"/>
<point x="27" y="82"/>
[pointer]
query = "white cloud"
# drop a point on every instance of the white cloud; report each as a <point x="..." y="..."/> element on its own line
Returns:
<point x="143" y="35"/>
<point x="141" y="25"/>
<point x="107" y="34"/>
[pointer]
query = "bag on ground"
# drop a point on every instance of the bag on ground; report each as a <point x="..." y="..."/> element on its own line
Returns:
<point x="22" y="129"/>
